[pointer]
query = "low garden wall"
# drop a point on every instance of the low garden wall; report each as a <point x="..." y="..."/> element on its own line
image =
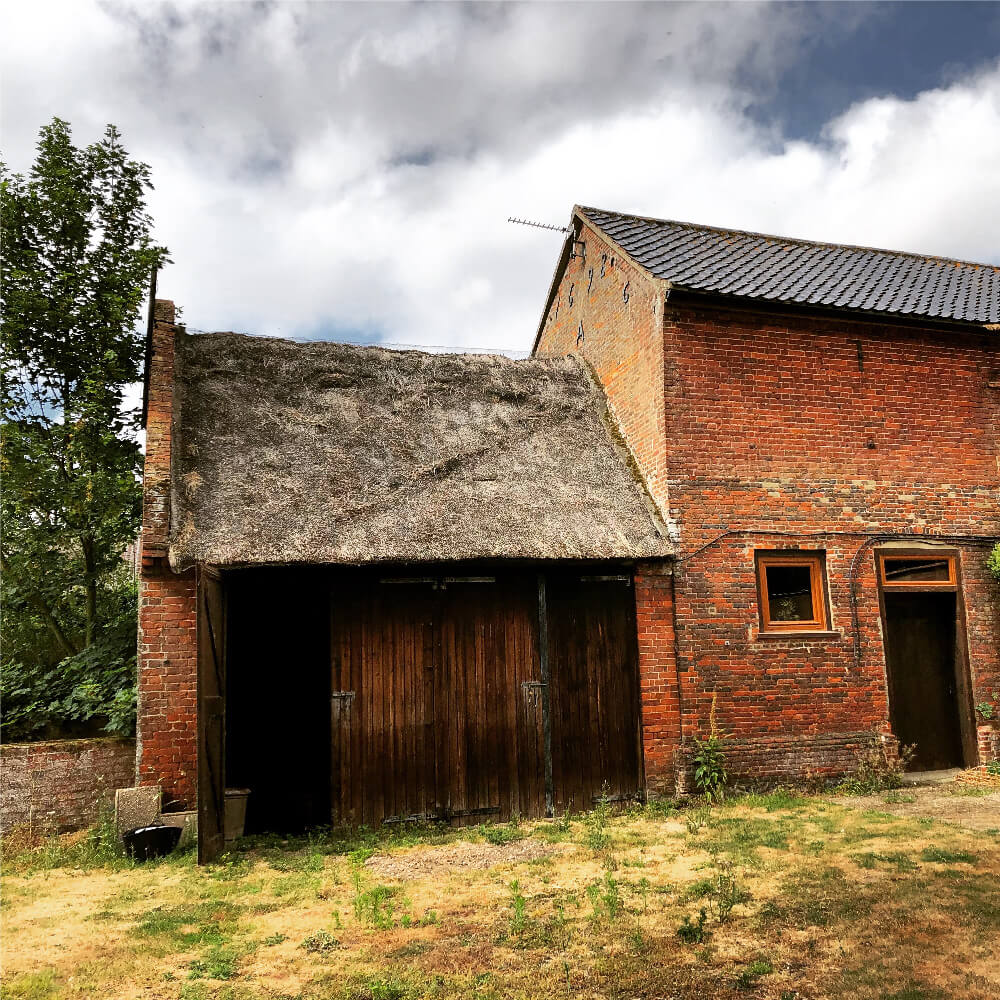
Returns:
<point x="62" y="785"/>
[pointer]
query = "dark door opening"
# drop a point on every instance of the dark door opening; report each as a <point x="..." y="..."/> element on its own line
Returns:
<point x="278" y="698"/>
<point x="921" y="668"/>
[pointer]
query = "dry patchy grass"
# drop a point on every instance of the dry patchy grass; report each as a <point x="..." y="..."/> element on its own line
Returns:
<point x="774" y="895"/>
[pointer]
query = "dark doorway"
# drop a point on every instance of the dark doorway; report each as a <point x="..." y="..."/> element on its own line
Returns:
<point x="278" y="698"/>
<point x="921" y="667"/>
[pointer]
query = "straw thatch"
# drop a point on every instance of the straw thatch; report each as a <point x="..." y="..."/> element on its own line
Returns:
<point x="329" y="453"/>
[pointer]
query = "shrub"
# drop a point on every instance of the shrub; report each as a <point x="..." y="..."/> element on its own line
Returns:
<point x="81" y="695"/>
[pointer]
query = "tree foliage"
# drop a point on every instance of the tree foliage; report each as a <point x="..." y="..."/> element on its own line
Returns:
<point x="77" y="257"/>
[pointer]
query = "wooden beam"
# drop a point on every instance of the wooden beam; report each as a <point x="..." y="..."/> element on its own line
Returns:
<point x="547" y="732"/>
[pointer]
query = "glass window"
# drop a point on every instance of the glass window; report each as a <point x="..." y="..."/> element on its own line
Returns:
<point x="917" y="571"/>
<point x="791" y="592"/>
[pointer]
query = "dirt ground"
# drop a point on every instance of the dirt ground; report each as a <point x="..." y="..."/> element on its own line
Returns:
<point x="780" y="895"/>
<point x="421" y="863"/>
<point x="960" y="800"/>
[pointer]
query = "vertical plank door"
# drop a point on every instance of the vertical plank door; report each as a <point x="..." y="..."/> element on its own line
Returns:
<point x="488" y="700"/>
<point x="594" y="689"/>
<point x="381" y="705"/>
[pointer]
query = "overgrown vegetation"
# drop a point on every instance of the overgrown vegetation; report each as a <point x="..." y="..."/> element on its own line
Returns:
<point x="76" y="264"/>
<point x="994" y="561"/>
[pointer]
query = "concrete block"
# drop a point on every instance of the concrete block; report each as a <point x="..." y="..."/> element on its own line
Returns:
<point x="136" y="807"/>
<point x="187" y="821"/>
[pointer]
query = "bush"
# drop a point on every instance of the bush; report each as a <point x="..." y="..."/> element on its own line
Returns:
<point x="82" y="695"/>
<point x="693" y="932"/>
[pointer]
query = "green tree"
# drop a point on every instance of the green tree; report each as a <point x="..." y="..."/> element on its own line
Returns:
<point x="77" y="253"/>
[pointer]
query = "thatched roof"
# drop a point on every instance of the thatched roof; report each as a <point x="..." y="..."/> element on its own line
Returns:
<point x="330" y="453"/>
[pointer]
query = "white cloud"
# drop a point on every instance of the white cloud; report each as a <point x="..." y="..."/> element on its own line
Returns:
<point x="344" y="168"/>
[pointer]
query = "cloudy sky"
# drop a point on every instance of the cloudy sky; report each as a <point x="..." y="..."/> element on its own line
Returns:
<point x="345" y="171"/>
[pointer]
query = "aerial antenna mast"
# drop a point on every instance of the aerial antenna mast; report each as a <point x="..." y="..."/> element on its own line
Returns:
<point x="539" y="225"/>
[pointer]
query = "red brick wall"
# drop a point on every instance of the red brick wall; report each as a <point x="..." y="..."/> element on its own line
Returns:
<point x="776" y="427"/>
<point x="62" y="785"/>
<point x="167" y="713"/>
<point x="660" y="708"/>
<point x="791" y="431"/>
<point x="168" y="719"/>
<point x="621" y="340"/>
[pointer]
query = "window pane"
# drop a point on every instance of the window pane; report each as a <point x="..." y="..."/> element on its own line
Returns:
<point x="903" y="571"/>
<point x="790" y="596"/>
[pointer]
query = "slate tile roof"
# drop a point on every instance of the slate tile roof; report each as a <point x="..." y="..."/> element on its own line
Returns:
<point x="756" y="266"/>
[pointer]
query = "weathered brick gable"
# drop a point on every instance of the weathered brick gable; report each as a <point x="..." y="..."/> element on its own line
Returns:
<point x="609" y="310"/>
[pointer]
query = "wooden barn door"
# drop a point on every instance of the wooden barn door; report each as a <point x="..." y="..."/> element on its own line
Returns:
<point x="211" y="641"/>
<point x="436" y="705"/>
<point x="593" y="667"/>
<point x="382" y="702"/>
<point x="489" y="700"/>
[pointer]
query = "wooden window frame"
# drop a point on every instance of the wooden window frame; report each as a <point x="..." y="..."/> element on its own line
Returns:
<point x="916" y="555"/>
<point x="793" y="558"/>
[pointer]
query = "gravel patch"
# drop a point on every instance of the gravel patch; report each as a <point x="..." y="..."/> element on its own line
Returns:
<point x="422" y="862"/>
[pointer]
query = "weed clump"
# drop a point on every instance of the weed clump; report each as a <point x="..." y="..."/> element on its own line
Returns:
<point x="596" y="825"/>
<point x="501" y="834"/>
<point x="375" y="906"/>
<point x="320" y="942"/>
<point x="694" y="933"/>
<point x="518" y="921"/>
<point x="877" y="770"/>
<point x="725" y="893"/>
<point x="935" y="854"/>
<point x="710" y="762"/>
<point x="751" y="973"/>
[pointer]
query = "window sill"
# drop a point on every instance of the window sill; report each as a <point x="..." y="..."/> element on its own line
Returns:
<point x="800" y="634"/>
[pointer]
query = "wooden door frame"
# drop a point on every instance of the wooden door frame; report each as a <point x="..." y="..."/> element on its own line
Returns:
<point x="542" y="638"/>
<point x="961" y="656"/>
<point x="211" y="695"/>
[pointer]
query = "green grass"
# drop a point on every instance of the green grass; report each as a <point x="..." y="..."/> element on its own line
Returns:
<point x="900" y="861"/>
<point x="43" y="984"/>
<point x="935" y="854"/>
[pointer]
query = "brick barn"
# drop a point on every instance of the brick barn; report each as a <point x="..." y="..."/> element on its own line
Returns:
<point x="818" y="424"/>
<point x="380" y="586"/>
<point x="739" y="469"/>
